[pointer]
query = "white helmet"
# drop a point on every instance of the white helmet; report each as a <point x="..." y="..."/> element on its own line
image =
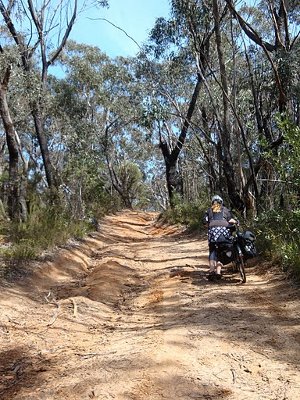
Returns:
<point x="217" y="198"/>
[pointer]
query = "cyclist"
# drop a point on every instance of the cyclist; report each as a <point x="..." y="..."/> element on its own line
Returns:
<point x="217" y="218"/>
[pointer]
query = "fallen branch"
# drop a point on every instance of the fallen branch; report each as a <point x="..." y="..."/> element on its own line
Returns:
<point x="233" y="375"/>
<point x="75" y="308"/>
<point x="88" y="355"/>
<point x="54" y="318"/>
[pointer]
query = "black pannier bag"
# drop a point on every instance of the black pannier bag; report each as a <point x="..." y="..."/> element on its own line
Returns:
<point x="247" y="243"/>
<point x="224" y="248"/>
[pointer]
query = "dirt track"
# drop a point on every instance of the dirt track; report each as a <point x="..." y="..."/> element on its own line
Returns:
<point x="128" y="314"/>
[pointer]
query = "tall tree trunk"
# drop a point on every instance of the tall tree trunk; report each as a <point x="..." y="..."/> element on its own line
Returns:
<point x="227" y="163"/>
<point x="12" y="145"/>
<point x="173" y="177"/>
<point x="37" y="19"/>
<point x="43" y="143"/>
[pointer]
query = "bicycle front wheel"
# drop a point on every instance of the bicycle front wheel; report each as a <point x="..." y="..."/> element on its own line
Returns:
<point x="241" y="267"/>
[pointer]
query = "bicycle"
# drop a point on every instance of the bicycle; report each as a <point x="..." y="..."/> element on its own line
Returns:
<point x="231" y="251"/>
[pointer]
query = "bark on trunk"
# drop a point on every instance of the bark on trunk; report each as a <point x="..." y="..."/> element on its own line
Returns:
<point x="173" y="177"/>
<point x="37" y="19"/>
<point x="43" y="143"/>
<point x="12" y="145"/>
<point x="227" y="163"/>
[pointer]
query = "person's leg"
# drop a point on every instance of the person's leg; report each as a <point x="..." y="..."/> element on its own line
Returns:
<point x="215" y="266"/>
<point x="212" y="265"/>
<point x="212" y="258"/>
<point x="219" y="268"/>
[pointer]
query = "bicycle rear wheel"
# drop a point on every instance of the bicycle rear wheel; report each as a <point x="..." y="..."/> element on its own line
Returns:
<point x="241" y="267"/>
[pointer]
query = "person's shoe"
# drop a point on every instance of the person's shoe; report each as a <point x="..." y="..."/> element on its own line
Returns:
<point x="218" y="276"/>
<point x="211" y="276"/>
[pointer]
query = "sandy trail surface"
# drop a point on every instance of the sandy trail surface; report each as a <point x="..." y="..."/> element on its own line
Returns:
<point x="129" y="314"/>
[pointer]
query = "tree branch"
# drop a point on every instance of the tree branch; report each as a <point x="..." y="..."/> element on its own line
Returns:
<point x="250" y="32"/>
<point x="66" y="35"/>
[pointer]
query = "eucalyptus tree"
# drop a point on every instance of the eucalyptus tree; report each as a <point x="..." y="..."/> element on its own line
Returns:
<point x="227" y="135"/>
<point x="14" y="111"/>
<point x="225" y="126"/>
<point x="278" y="42"/>
<point x="98" y="105"/>
<point x="13" y="149"/>
<point x="221" y="132"/>
<point x="31" y="27"/>
<point x="273" y="29"/>
<point x="191" y="48"/>
<point x="180" y="49"/>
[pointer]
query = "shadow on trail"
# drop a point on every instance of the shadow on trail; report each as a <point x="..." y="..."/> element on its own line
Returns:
<point x="22" y="373"/>
<point x="242" y="312"/>
<point x="19" y="370"/>
<point x="199" y="278"/>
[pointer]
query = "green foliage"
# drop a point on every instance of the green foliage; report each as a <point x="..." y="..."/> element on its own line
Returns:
<point x="186" y="213"/>
<point x="289" y="155"/>
<point x="130" y="186"/>
<point x="278" y="238"/>
<point x="44" y="229"/>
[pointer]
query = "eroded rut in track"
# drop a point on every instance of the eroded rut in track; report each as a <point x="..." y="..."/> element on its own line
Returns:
<point x="128" y="314"/>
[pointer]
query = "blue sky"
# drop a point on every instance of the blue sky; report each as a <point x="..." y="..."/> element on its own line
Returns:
<point x="135" y="17"/>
